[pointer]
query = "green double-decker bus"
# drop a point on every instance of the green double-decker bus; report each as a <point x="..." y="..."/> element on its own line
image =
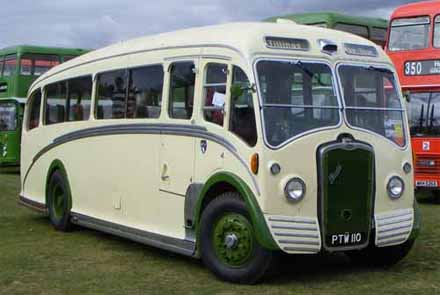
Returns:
<point x="374" y="29"/>
<point x="19" y="67"/>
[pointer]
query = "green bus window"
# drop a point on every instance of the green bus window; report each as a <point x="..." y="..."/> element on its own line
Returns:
<point x="353" y="29"/>
<point x="242" y="119"/>
<point x="8" y="116"/>
<point x="181" y="99"/>
<point x="56" y="97"/>
<point x="379" y="35"/>
<point x="145" y="92"/>
<point x="79" y="98"/>
<point x="112" y="93"/>
<point x="36" y="65"/>
<point x="34" y="110"/>
<point x="68" y="57"/>
<point x="215" y="92"/>
<point x="10" y="65"/>
<point x="2" y="62"/>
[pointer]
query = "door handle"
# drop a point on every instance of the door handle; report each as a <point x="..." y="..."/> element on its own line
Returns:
<point x="164" y="175"/>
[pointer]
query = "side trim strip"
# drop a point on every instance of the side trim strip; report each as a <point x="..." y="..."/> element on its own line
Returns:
<point x="141" y="128"/>
<point x="183" y="247"/>
<point x="36" y="206"/>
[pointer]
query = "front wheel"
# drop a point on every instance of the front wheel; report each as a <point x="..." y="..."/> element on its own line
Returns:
<point x="228" y="243"/>
<point x="381" y="257"/>
<point x="59" y="202"/>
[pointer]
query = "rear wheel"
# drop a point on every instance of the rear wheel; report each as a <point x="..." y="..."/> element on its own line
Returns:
<point x="228" y="244"/>
<point x="59" y="202"/>
<point x="436" y="196"/>
<point x="381" y="257"/>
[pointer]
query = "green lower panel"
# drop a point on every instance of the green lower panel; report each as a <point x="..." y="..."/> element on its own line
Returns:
<point x="347" y="171"/>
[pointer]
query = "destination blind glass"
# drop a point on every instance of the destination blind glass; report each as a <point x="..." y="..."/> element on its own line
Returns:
<point x="422" y="67"/>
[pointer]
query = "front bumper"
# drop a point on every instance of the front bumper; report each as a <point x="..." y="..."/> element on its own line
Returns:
<point x="302" y="235"/>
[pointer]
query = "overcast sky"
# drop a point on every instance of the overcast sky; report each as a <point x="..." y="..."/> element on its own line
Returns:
<point x="96" y="23"/>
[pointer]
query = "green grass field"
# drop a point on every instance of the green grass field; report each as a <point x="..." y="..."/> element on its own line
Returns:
<point x="35" y="259"/>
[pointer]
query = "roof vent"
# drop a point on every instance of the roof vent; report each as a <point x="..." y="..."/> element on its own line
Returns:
<point x="285" y="21"/>
<point x="328" y="47"/>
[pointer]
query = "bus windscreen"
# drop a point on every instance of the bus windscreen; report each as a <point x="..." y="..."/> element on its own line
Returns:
<point x="8" y="116"/>
<point x="424" y="113"/>
<point x="409" y="34"/>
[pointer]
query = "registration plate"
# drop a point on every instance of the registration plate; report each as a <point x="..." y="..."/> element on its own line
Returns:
<point x="346" y="239"/>
<point x="426" y="183"/>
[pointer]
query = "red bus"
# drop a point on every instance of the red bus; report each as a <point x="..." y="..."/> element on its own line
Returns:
<point x="414" y="46"/>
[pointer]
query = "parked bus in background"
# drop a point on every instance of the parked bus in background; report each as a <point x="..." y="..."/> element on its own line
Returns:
<point x="374" y="29"/>
<point x="414" y="47"/>
<point x="19" y="67"/>
<point x="228" y="143"/>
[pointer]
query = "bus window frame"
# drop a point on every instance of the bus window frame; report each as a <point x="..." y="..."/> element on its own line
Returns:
<point x="402" y="101"/>
<point x="168" y="81"/>
<point x="28" y="109"/>
<point x="44" y="100"/>
<point x="206" y="85"/>
<point x="434" y="22"/>
<point x="353" y="25"/>
<point x="430" y="34"/>
<point x="17" y="115"/>
<point x="17" y="65"/>
<point x="336" y="88"/>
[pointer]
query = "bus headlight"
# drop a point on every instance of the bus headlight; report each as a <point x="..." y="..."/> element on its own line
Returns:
<point x="295" y="190"/>
<point x="395" y="187"/>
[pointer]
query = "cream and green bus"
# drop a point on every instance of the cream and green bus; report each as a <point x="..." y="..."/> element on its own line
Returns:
<point x="230" y="143"/>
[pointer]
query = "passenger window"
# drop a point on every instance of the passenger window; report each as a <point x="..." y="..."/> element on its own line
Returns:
<point x="56" y="97"/>
<point x="242" y="119"/>
<point x="112" y="93"/>
<point x="145" y="92"/>
<point x="2" y="63"/>
<point x="215" y="92"/>
<point x="80" y="93"/>
<point x="181" y="100"/>
<point x="34" y="110"/>
<point x="10" y="65"/>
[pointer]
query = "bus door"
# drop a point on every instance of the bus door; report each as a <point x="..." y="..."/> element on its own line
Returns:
<point x="176" y="159"/>
<point x="9" y="133"/>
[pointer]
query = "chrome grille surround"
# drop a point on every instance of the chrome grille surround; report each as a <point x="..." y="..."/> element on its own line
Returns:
<point x="295" y="235"/>
<point x="393" y="227"/>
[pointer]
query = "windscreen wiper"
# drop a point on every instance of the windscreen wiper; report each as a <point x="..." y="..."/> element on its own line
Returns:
<point x="422" y="111"/>
<point x="303" y="68"/>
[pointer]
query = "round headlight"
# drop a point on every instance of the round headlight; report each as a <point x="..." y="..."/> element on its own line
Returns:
<point x="295" y="190"/>
<point x="395" y="187"/>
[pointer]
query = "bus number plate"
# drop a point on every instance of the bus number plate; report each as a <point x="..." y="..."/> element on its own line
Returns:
<point x="423" y="67"/>
<point x="346" y="239"/>
<point x="426" y="183"/>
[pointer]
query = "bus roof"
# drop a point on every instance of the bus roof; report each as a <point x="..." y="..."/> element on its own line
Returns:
<point x="417" y="9"/>
<point x="332" y="17"/>
<point x="20" y="49"/>
<point x="246" y="39"/>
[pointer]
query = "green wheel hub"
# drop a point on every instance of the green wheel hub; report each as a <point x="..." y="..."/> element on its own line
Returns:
<point x="58" y="196"/>
<point x="233" y="239"/>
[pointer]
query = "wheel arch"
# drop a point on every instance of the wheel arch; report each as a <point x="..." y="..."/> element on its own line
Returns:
<point x="224" y="182"/>
<point x="57" y="165"/>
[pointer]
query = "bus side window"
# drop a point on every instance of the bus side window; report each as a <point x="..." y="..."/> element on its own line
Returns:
<point x="79" y="102"/>
<point x="111" y="96"/>
<point x="55" y="106"/>
<point x="242" y="119"/>
<point x="2" y="63"/>
<point x="34" y="110"/>
<point x="215" y="92"/>
<point x="182" y="81"/>
<point x="145" y="92"/>
<point x="10" y="65"/>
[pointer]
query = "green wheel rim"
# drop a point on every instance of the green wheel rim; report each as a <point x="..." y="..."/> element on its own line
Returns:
<point x="58" y="196"/>
<point x="233" y="239"/>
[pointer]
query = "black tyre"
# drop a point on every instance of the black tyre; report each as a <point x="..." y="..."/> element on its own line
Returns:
<point x="59" y="202"/>
<point x="381" y="257"/>
<point x="228" y="244"/>
<point x="436" y="196"/>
